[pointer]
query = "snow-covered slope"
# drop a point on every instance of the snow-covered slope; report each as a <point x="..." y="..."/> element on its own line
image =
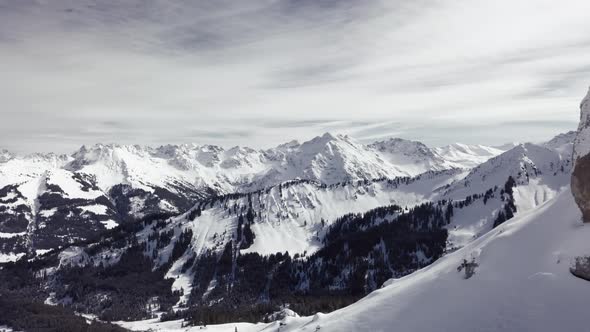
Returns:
<point x="539" y="173"/>
<point x="526" y="163"/>
<point x="522" y="283"/>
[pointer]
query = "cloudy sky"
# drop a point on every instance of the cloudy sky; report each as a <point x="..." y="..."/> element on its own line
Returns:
<point x="261" y="72"/>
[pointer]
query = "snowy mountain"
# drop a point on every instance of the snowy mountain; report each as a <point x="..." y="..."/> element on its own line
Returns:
<point x="328" y="159"/>
<point x="133" y="182"/>
<point x="306" y="218"/>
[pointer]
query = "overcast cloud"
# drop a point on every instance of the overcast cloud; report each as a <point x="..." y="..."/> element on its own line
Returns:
<point x="260" y="73"/>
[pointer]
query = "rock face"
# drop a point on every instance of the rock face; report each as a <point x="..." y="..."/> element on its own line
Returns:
<point x="581" y="176"/>
<point x="581" y="185"/>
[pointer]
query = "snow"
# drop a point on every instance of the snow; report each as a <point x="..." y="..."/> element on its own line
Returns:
<point x="10" y="257"/>
<point x="5" y="328"/>
<point x="11" y="235"/>
<point x="47" y="213"/>
<point x="176" y="326"/>
<point x="539" y="176"/>
<point x="41" y="252"/>
<point x="520" y="162"/>
<point x="23" y="169"/>
<point x="109" y="224"/>
<point x="64" y="179"/>
<point x="182" y="281"/>
<point x="96" y="209"/>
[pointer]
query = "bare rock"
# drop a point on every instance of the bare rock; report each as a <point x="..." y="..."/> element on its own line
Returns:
<point x="580" y="182"/>
<point x="581" y="186"/>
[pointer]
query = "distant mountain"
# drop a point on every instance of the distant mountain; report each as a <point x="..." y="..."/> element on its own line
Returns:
<point x="41" y="192"/>
<point x="468" y="156"/>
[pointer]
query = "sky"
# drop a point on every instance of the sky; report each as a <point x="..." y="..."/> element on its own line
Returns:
<point x="263" y="72"/>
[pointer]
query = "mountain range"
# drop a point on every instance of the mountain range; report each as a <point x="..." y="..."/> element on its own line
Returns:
<point x="99" y="187"/>
<point x="204" y="235"/>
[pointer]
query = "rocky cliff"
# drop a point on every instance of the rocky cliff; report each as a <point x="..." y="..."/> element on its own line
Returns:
<point x="581" y="175"/>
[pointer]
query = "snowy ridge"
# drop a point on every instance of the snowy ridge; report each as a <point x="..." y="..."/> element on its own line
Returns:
<point x="327" y="158"/>
<point x="524" y="163"/>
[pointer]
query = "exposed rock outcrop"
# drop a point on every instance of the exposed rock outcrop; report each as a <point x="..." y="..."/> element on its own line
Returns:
<point x="581" y="155"/>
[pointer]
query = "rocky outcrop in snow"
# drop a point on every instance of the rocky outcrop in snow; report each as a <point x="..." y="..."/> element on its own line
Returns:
<point x="581" y="176"/>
